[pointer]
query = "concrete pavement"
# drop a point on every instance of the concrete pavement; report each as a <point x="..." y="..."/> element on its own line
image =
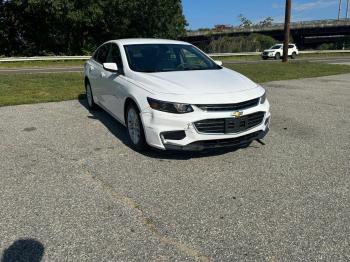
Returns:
<point x="70" y="182"/>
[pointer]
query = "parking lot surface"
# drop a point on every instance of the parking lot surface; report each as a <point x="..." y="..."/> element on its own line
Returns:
<point x="71" y="187"/>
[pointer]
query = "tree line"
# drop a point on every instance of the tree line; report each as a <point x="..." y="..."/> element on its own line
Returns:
<point x="71" y="27"/>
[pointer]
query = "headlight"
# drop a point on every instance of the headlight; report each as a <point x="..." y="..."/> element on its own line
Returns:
<point x="175" y="108"/>
<point x="263" y="98"/>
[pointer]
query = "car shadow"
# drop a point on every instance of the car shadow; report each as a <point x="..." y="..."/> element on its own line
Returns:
<point x="120" y="132"/>
<point x="29" y="250"/>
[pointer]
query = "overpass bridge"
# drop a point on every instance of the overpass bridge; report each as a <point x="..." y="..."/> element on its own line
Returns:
<point x="308" y="34"/>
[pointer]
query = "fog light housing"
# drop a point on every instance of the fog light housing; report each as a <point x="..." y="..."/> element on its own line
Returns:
<point x="173" y="135"/>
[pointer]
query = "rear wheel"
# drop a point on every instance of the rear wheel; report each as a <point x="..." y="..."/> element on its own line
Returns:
<point x="89" y="96"/>
<point x="277" y="56"/>
<point x="294" y="55"/>
<point x="135" y="129"/>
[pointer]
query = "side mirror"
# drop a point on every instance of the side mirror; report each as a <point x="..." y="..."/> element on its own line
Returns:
<point x="219" y="63"/>
<point x="112" y="67"/>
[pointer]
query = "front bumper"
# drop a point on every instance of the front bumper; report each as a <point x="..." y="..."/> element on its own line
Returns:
<point x="220" y="143"/>
<point x="157" y="123"/>
<point x="267" y="55"/>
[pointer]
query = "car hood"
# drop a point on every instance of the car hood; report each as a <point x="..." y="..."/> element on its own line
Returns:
<point x="223" y="81"/>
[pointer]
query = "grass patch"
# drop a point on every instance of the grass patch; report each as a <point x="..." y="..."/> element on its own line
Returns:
<point x="37" y="88"/>
<point x="325" y="55"/>
<point x="31" y="64"/>
<point x="261" y="73"/>
<point x="237" y="58"/>
<point x="18" y="89"/>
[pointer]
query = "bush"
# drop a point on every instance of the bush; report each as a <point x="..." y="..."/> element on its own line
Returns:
<point x="326" y="46"/>
<point x="251" y="43"/>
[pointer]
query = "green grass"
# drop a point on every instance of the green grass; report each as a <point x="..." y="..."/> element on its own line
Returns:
<point x="261" y="73"/>
<point x="31" y="64"/>
<point x="237" y="58"/>
<point x="36" y="88"/>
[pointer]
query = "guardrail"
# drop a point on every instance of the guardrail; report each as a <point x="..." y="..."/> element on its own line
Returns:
<point x="43" y="58"/>
<point x="58" y="58"/>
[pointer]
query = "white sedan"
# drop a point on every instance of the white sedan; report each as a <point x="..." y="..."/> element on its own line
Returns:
<point x="171" y="95"/>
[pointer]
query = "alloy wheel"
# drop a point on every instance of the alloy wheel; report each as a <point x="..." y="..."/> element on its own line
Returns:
<point x="134" y="126"/>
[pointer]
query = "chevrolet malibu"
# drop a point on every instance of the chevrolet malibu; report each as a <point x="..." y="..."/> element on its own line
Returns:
<point x="171" y="95"/>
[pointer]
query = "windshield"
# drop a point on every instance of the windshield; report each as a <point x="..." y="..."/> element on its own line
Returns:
<point x="152" y="58"/>
<point x="276" y="47"/>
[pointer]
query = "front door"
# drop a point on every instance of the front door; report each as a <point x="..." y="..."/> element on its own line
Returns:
<point x="114" y="84"/>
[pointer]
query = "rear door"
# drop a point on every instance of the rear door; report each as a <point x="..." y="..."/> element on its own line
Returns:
<point x="96" y="72"/>
<point x="290" y="49"/>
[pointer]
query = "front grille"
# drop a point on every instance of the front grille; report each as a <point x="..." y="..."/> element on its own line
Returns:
<point x="229" y="107"/>
<point x="229" y="125"/>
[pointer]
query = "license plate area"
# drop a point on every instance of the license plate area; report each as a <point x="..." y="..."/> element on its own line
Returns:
<point x="235" y="125"/>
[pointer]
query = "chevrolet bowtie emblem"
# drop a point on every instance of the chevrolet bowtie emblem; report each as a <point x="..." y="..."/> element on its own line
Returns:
<point x="237" y="114"/>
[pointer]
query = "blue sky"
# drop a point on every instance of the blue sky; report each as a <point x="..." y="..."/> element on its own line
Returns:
<point x="207" y="13"/>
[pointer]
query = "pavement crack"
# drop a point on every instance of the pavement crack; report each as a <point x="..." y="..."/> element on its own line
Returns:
<point x="149" y="224"/>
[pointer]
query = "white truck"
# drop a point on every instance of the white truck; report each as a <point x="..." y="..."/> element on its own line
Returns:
<point x="276" y="52"/>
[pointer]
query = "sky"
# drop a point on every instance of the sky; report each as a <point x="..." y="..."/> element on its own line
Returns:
<point x="207" y="13"/>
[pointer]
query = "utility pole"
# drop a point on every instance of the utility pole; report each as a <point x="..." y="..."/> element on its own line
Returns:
<point x="339" y="10"/>
<point x="287" y="29"/>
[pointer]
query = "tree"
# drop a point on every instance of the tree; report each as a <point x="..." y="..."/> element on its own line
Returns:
<point x="245" y="22"/>
<point x="39" y="27"/>
<point x="267" y="22"/>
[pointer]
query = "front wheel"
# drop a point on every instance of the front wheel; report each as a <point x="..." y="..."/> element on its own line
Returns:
<point x="277" y="56"/>
<point x="135" y="129"/>
<point x="89" y="96"/>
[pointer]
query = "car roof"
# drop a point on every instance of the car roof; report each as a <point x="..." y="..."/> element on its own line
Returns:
<point x="135" y="41"/>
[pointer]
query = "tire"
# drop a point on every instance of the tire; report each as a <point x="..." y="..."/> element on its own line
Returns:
<point x="294" y="55"/>
<point x="89" y="97"/>
<point x="135" y="129"/>
<point x="277" y="56"/>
